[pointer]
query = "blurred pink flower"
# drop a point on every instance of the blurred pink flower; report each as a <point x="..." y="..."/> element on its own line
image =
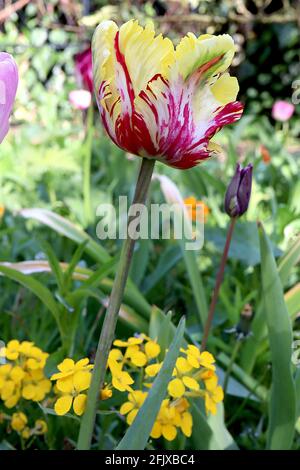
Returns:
<point x="84" y="69"/>
<point x="8" y="88"/>
<point x="282" y="111"/>
<point x="80" y="99"/>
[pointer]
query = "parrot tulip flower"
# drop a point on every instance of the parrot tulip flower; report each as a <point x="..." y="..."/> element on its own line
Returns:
<point x="161" y="102"/>
<point x="8" y="89"/>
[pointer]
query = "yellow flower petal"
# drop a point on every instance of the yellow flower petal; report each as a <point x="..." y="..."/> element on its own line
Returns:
<point x="82" y="380"/>
<point x="225" y="89"/>
<point x="192" y="53"/>
<point x="28" y="392"/>
<point x="18" y="421"/>
<point x="176" y="388"/>
<point x="152" y="370"/>
<point x="169" y="432"/>
<point x="121" y="381"/>
<point x="186" y="424"/>
<point x="131" y="416"/>
<point x="182" y="365"/>
<point x="207" y="360"/>
<point x="190" y="383"/>
<point x="82" y="363"/>
<point x="126" y="407"/>
<point x="65" y="385"/>
<point x="63" y="405"/>
<point x="152" y="349"/>
<point x="115" y="354"/>
<point x="66" y="365"/>
<point x="138" y="359"/>
<point x="145" y="55"/>
<point x="79" y="404"/>
<point x="17" y="374"/>
<point x="156" y="430"/>
<point x="210" y="405"/>
<point x="218" y="394"/>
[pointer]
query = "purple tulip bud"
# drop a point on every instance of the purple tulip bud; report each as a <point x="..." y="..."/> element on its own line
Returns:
<point x="239" y="191"/>
<point x="8" y="89"/>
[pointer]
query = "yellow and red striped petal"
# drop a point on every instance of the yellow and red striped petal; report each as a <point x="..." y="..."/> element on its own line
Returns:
<point x="157" y="102"/>
<point x="192" y="53"/>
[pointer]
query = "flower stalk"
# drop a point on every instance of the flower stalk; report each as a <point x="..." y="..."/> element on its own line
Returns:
<point x="219" y="280"/>
<point x="111" y="317"/>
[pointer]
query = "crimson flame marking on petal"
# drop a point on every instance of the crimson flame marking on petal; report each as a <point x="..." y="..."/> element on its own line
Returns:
<point x="176" y="142"/>
<point x="121" y="60"/>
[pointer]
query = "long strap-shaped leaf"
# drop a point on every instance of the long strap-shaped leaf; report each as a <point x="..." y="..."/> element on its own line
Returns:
<point x="66" y="228"/>
<point x="282" y="403"/>
<point x="285" y="265"/>
<point x="137" y="435"/>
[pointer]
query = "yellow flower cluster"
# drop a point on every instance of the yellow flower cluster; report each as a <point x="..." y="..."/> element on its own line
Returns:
<point x="19" y="423"/>
<point x="132" y="368"/>
<point x="193" y="376"/>
<point x="22" y="375"/>
<point x="72" y="379"/>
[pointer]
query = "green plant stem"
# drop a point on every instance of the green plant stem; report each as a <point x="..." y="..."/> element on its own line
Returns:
<point x="219" y="280"/>
<point x="111" y="317"/>
<point x="87" y="156"/>
<point x="229" y="367"/>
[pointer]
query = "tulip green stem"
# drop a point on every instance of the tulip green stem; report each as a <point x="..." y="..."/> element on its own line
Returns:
<point x="219" y="280"/>
<point x="111" y="317"/>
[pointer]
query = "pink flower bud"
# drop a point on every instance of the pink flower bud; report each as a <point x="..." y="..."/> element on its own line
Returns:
<point x="282" y="111"/>
<point x="80" y="99"/>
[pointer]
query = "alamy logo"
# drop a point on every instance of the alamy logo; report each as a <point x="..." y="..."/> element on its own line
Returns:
<point x="157" y="221"/>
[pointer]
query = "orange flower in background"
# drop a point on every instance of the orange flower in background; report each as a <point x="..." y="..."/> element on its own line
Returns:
<point x="192" y="203"/>
<point x="265" y="154"/>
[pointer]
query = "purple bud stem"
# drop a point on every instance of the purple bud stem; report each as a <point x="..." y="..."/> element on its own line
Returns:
<point x="219" y="280"/>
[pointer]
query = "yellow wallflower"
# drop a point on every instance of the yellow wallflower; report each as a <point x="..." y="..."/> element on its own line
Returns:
<point x="71" y="387"/>
<point x="37" y="359"/>
<point x="153" y="369"/>
<point x="132" y="341"/>
<point x="18" y="421"/>
<point x="106" y="393"/>
<point x="165" y="423"/>
<point x="213" y="394"/>
<point x="131" y="407"/>
<point x="183" y="380"/>
<point x="72" y="379"/>
<point x="11" y="351"/>
<point x="199" y="359"/>
<point x="68" y="368"/>
<point x="121" y="380"/>
<point x="184" y="417"/>
<point x="136" y="353"/>
<point x="152" y="349"/>
<point x="35" y="385"/>
<point x="10" y="379"/>
<point x="132" y="352"/>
